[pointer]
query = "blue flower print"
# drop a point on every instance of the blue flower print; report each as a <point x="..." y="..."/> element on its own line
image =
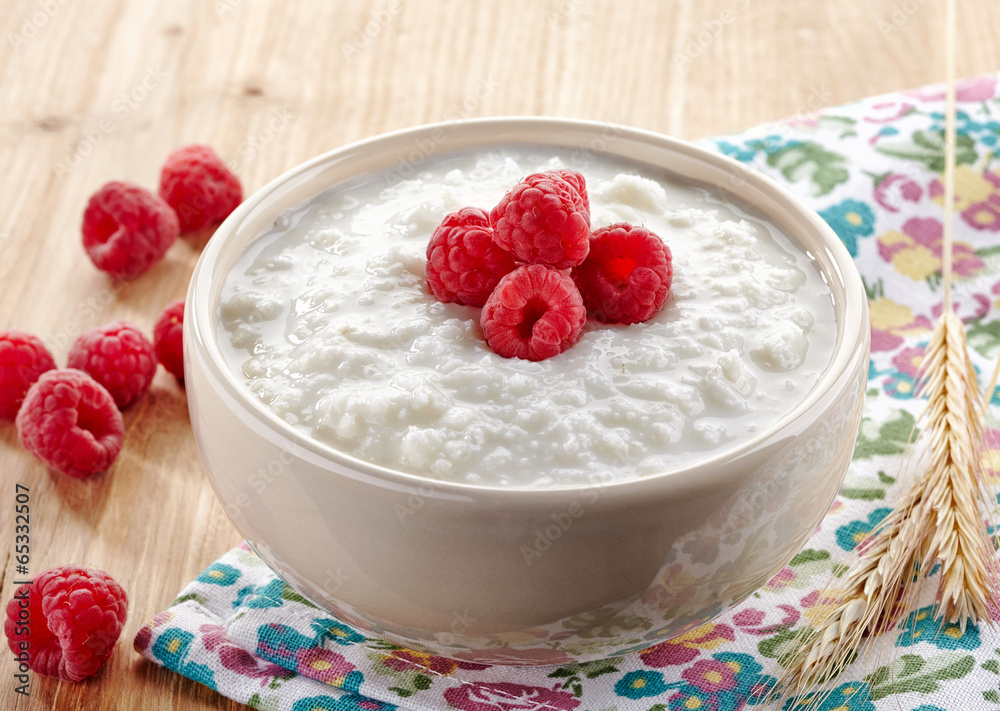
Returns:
<point x="640" y="685"/>
<point x="850" y="219"/>
<point x="327" y="629"/>
<point x="172" y="647"/>
<point x="219" y="574"/>
<point x="923" y="626"/>
<point x="851" y="534"/>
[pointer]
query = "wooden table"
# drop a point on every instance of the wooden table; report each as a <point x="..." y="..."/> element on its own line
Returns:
<point x="104" y="90"/>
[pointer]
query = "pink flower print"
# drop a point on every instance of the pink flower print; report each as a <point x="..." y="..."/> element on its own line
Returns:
<point x="816" y="606"/>
<point x="781" y="580"/>
<point x="323" y="665"/>
<point x="977" y="197"/>
<point x="710" y="675"/>
<point x="969" y="90"/>
<point x="808" y="119"/>
<point x="408" y="659"/>
<point x="974" y="308"/>
<point x="908" y="361"/>
<point x="991" y="456"/>
<point x="685" y="647"/>
<point x="893" y="189"/>
<point x="212" y="636"/>
<point x="916" y="251"/>
<point x="242" y="662"/>
<point x="235" y="658"/>
<point x="507" y="696"/>
<point x="888" y="111"/>
<point x="892" y="323"/>
<point x="752" y="621"/>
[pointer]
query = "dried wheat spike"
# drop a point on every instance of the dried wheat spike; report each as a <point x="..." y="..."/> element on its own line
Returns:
<point x="938" y="520"/>
<point x="954" y="498"/>
<point x="870" y="601"/>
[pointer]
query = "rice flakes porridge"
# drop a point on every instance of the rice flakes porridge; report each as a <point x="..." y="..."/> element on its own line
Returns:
<point x="330" y="322"/>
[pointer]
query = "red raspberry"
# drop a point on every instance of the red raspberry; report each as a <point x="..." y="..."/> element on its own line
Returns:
<point x="199" y="186"/>
<point x="534" y="313"/>
<point x="71" y="423"/>
<point x="67" y="619"/>
<point x="626" y="276"/>
<point x="22" y="359"/>
<point x="579" y="182"/>
<point x="168" y="339"/>
<point x="464" y="264"/>
<point x="119" y="357"/>
<point x="544" y="220"/>
<point x="127" y="229"/>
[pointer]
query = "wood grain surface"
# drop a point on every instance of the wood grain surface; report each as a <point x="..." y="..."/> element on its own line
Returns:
<point x="105" y="89"/>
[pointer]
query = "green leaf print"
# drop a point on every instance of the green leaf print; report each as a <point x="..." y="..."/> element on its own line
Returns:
<point x="808" y="555"/>
<point x="914" y="673"/>
<point x="861" y="494"/>
<point x="784" y="646"/>
<point x="810" y="161"/>
<point x="288" y="594"/>
<point x="875" y="290"/>
<point x="842" y="124"/>
<point x="781" y="646"/>
<point x="807" y="564"/>
<point x="270" y="703"/>
<point x="927" y="147"/>
<point x="983" y="336"/>
<point x="890" y="437"/>
<point x="863" y="489"/>
<point x="991" y="665"/>
<point x="590" y="670"/>
<point x="200" y="599"/>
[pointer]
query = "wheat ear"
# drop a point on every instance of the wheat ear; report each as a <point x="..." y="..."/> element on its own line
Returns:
<point x="954" y="493"/>
<point x="870" y="599"/>
<point x="939" y="519"/>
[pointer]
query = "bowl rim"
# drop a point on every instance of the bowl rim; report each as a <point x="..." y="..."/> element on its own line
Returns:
<point x="201" y="322"/>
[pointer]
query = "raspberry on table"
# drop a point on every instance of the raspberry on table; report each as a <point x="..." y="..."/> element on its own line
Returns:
<point x="127" y="229"/>
<point x="70" y="422"/>
<point x="67" y="619"/>
<point x="544" y="219"/>
<point x="118" y="356"/>
<point x="626" y="276"/>
<point x="464" y="264"/>
<point x="534" y="313"/>
<point x="23" y="358"/>
<point x="168" y="339"/>
<point x="199" y="186"/>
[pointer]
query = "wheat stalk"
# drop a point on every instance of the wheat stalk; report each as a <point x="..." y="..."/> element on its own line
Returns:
<point x="871" y="597"/>
<point x="958" y="538"/>
<point x="939" y="519"/>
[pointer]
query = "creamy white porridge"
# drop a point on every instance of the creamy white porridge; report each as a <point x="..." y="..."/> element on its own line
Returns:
<point x="328" y="319"/>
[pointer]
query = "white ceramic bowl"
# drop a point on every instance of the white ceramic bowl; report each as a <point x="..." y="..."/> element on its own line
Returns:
<point x="440" y="567"/>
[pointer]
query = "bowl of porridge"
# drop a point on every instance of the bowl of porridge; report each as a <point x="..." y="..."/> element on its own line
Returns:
<point x="391" y="468"/>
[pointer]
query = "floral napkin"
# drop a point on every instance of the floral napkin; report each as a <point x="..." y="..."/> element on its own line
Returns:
<point x="873" y="171"/>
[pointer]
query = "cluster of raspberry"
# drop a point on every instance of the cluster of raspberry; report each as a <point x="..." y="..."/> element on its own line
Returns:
<point x="536" y="269"/>
<point x="66" y="621"/>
